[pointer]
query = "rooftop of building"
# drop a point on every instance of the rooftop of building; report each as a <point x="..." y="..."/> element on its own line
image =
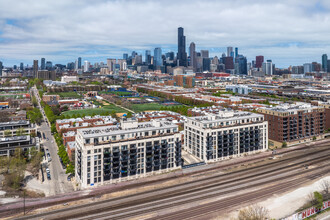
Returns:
<point x="126" y="126"/>
<point x="13" y="123"/>
<point x="286" y="107"/>
<point x="225" y="115"/>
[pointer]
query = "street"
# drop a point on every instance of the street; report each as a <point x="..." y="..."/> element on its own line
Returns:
<point x="58" y="182"/>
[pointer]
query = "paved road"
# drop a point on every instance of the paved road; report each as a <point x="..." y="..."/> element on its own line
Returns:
<point x="59" y="183"/>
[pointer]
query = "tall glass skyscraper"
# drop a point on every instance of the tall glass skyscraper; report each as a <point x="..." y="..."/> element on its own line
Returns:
<point x="79" y="62"/>
<point x="182" y="55"/>
<point x="325" y="62"/>
<point x="43" y="64"/>
<point x="158" y="57"/>
<point x="147" y="58"/>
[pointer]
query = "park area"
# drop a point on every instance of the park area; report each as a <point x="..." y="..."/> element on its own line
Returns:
<point x="104" y="110"/>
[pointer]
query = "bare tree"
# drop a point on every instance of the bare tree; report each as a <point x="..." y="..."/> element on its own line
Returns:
<point x="325" y="186"/>
<point x="311" y="198"/>
<point x="254" y="212"/>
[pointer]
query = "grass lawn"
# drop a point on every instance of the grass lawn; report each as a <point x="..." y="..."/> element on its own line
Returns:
<point x="146" y="107"/>
<point x="97" y="111"/>
<point x="66" y="94"/>
<point x="117" y="93"/>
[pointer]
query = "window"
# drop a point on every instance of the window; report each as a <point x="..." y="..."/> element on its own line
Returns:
<point x="88" y="152"/>
<point x="88" y="181"/>
<point x="95" y="151"/>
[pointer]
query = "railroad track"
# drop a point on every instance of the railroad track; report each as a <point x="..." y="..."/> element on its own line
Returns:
<point x="35" y="203"/>
<point x="234" y="202"/>
<point x="187" y="197"/>
<point x="214" y="181"/>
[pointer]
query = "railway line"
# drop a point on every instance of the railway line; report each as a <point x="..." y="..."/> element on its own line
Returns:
<point x="199" y="189"/>
<point x="32" y="204"/>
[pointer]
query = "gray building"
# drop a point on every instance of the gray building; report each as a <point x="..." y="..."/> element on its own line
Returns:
<point x="43" y="64"/>
<point x="182" y="55"/>
<point x="158" y="61"/>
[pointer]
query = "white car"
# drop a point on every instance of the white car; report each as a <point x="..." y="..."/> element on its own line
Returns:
<point x="47" y="170"/>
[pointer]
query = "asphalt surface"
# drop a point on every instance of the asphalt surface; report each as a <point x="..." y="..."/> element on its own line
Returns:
<point x="58" y="182"/>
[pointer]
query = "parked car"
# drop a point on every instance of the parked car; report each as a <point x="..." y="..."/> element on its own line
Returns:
<point x="49" y="159"/>
<point x="47" y="170"/>
<point x="48" y="176"/>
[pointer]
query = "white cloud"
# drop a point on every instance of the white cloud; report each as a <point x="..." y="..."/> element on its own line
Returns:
<point x="288" y="31"/>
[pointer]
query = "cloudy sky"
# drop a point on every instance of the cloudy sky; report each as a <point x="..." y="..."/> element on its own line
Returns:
<point x="290" y="32"/>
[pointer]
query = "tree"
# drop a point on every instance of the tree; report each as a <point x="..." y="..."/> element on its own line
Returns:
<point x="314" y="138"/>
<point x="129" y="115"/>
<point x="16" y="170"/>
<point x="254" y="212"/>
<point x="20" y="132"/>
<point x="325" y="186"/>
<point x="7" y="133"/>
<point x="34" y="101"/>
<point x="70" y="169"/>
<point x="319" y="199"/>
<point x="284" y="144"/>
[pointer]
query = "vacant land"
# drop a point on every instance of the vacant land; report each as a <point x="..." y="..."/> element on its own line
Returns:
<point x="95" y="111"/>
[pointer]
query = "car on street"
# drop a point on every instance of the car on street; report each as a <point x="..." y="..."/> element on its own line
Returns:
<point x="48" y="176"/>
<point x="47" y="170"/>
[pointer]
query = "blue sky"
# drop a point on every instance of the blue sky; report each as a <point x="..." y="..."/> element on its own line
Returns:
<point x="290" y="32"/>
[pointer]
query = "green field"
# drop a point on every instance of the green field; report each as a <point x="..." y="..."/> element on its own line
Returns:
<point x="66" y="94"/>
<point x="117" y="93"/>
<point x="95" y="111"/>
<point x="146" y="107"/>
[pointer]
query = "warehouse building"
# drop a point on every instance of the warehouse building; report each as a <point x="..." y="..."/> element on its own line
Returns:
<point x="125" y="151"/>
<point x="227" y="134"/>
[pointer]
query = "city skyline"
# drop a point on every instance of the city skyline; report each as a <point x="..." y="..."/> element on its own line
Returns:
<point x="65" y="30"/>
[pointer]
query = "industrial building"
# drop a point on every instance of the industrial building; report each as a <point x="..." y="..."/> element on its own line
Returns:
<point x="125" y="151"/>
<point x="294" y="123"/>
<point x="226" y="134"/>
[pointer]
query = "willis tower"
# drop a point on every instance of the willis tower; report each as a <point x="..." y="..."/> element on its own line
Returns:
<point x="182" y="55"/>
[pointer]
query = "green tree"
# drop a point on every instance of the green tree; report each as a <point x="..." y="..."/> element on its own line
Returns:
<point x="70" y="169"/>
<point x="20" y="132"/>
<point x="319" y="199"/>
<point x="314" y="138"/>
<point x="284" y="144"/>
<point x="129" y="115"/>
<point x="7" y="133"/>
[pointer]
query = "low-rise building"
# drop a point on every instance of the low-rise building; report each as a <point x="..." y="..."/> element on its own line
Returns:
<point x="126" y="151"/>
<point x="226" y="134"/>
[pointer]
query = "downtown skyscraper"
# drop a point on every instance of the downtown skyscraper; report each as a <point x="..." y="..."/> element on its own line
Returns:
<point x="182" y="55"/>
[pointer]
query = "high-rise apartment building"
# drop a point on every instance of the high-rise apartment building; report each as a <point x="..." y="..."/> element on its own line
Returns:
<point x="125" y="56"/>
<point x="35" y="68"/>
<point x="43" y="64"/>
<point x="192" y="53"/>
<point x="147" y="59"/>
<point x="293" y="123"/>
<point x="79" y="62"/>
<point x="229" y="51"/>
<point x="236" y="52"/>
<point x="21" y="66"/>
<point x="126" y="151"/>
<point x="307" y="68"/>
<point x="267" y="67"/>
<point x="182" y="55"/>
<point x="158" y="61"/>
<point x="86" y="66"/>
<point x="228" y="133"/>
<point x="205" y="53"/>
<point x="111" y="63"/>
<point x="259" y="61"/>
<point x="325" y="63"/>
